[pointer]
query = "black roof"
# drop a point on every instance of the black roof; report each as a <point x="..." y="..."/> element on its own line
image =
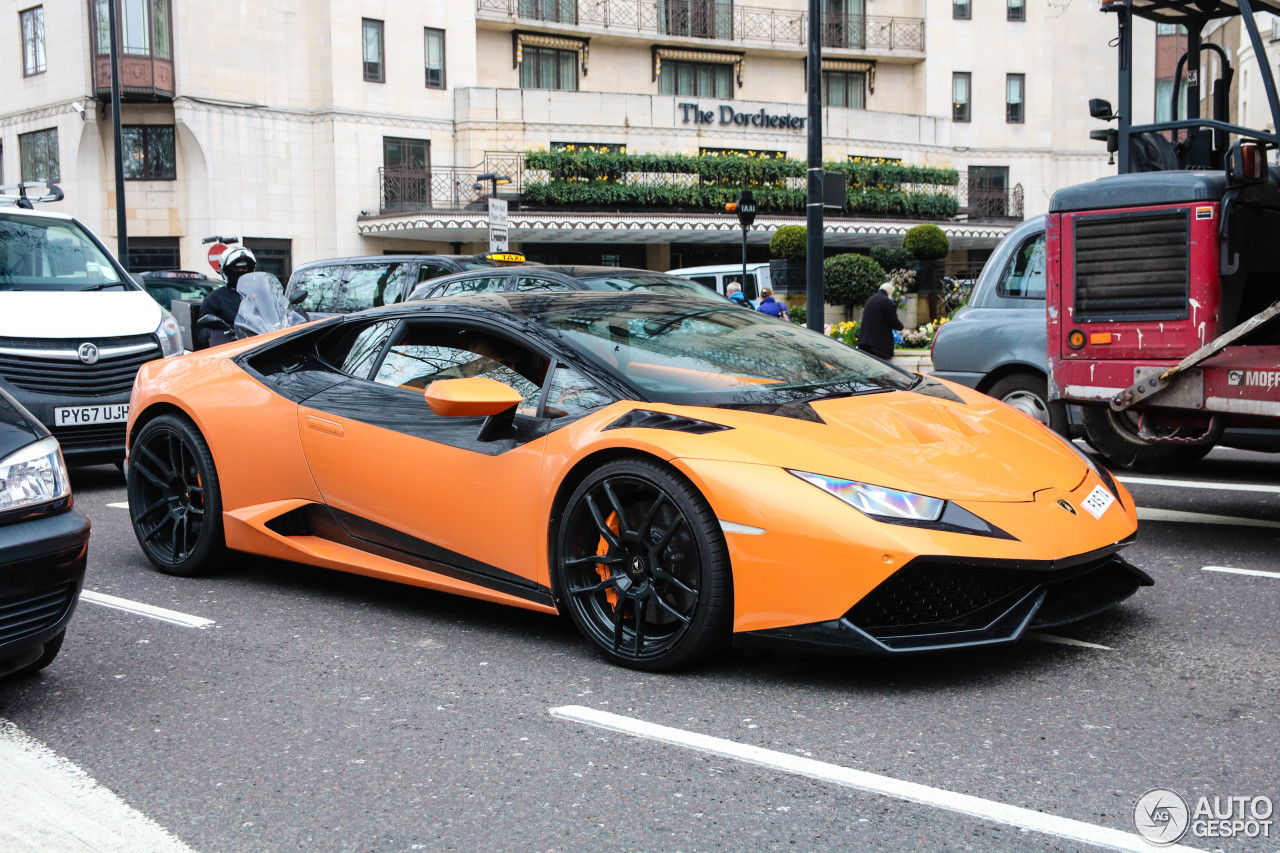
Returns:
<point x="1179" y="11"/>
<point x="374" y="259"/>
<point x="1140" y="189"/>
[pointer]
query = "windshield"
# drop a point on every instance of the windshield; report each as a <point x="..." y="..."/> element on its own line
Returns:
<point x="51" y="254"/>
<point x="706" y="353"/>
<point x="657" y="282"/>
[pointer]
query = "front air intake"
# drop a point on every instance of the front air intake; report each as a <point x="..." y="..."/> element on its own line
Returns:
<point x="1132" y="266"/>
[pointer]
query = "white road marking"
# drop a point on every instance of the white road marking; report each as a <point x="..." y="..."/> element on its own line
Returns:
<point x="121" y="505"/>
<point x="48" y="803"/>
<point x="1256" y="573"/>
<point x="1064" y="641"/>
<point x="913" y="792"/>
<point x="1179" y="516"/>
<point x="150" y="611"/>
<point x="1197" y="484"/>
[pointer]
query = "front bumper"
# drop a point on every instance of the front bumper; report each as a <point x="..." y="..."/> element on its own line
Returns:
<point x="936" y="603"/>
<point x="42" y="564"/>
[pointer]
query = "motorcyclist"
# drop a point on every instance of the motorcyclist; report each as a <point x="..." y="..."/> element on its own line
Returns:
<point x="224" y="302"/>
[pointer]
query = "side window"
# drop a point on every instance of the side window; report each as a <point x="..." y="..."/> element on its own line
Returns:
<point x="323" y="286"/>
<point x="364" y="350"/>
<point x="425" y="354"/>
<point x="527" y="283"/>
<point x="372" y="285"/>
<point x="432" y="269"/>
<point x="708" y="281"/>
<point x="491" y="284"/>
<point x="1023" y="278"/>
<point x="571" y="393"/>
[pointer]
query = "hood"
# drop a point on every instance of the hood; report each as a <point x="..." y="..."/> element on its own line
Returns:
<point x="75" y="314"/>
<point x="972" y="449"/>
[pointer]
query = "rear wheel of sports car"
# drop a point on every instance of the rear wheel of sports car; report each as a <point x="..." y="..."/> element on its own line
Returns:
<point x="642" y="566"/>
<point x="174" y="500"/>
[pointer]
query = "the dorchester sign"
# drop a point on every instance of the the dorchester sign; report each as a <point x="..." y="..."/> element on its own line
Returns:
<point x="727" y="114"/>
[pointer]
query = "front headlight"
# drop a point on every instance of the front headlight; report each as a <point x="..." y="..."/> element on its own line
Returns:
<point x="34" y="475"/>
<point x="877" y="501"/>
<point x="170" y="335"/>
<point x="891" y="506"/>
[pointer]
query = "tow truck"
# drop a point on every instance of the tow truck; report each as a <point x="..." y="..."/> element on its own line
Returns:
<point x="1164" y="280"/>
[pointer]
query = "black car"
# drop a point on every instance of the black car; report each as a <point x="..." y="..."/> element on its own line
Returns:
<point x="168" y="285"/>
<point x="346" y="285"/>
<point x="526" y="279"/>
<point x="43" y="543"/>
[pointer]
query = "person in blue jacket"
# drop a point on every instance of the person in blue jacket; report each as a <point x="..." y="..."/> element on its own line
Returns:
<point x="769" y="305"/>
<point x="734" y="291"/>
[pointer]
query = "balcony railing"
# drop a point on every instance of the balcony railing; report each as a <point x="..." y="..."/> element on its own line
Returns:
<point x="447" y="187"/>
<point x="985" y="202"/>
<point x="716" y="20"/>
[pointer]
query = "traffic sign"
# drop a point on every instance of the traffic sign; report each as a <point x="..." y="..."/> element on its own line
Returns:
<point x="498" y="223"/>
<point x="215" y="256"/>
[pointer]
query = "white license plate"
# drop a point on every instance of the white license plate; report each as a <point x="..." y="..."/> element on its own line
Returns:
<point x="1097" y="502"/>
<point x="65" y="416"/>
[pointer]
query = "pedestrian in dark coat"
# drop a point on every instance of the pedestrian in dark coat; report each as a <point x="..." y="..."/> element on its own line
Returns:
<point x="771" y="306"/>
<point x="879" y="321"/>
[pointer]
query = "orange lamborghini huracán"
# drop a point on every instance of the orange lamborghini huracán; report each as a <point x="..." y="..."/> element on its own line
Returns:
<point x="675" y="473"/>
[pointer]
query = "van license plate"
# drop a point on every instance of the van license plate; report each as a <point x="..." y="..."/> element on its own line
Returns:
<point x="65" y="416"/>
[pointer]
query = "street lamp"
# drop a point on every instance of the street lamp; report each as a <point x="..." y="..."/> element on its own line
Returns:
<point x="492" y="177"/>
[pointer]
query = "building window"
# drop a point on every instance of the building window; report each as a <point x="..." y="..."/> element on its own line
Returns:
<point x="32" y="40"/>
<point x="149" y="254"/>
<point x="406" y="173"/>
<point x="844" y="89"/>
<point x="555" y="11"/>
<point x="1172" y="29"/>
<point x="1164" y="100"/>
<point x="39" y="154"/>
<point x="960" y="91"/>
<point x="700" y="79"/>
<point x="435" y="58"/>
<point x="989" y="190"/>
<point x="1014" y="87"/>
<point x="549" y="68"/>
<point x="707" y="19"/>
<point x="274" y="256"/>
<point x="961" y="10"/>
<point x="148" y="152"/>
<point x="373" y="65"/>
<point x="1017" y="10"/>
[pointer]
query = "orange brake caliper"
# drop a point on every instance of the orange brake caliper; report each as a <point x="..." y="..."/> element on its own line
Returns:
<point x="611" y="595"/>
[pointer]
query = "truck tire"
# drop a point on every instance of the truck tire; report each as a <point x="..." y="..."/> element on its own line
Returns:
<point x="1115" y="436"/>
<point x="1029" y="394"/>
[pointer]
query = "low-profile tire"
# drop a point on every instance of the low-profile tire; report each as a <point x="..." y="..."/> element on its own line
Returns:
<point x="1029" y="394"/>
<point x="174" y="500"/>
<point x="1115" y="436"/>
<point x="51" y="649"/>
<point x="642" y="567"/>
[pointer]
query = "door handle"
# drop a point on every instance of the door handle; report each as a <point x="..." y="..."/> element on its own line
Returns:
<point x="324" y="425"/>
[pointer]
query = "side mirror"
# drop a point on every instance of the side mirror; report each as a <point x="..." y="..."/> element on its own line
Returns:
<point x="1101" y="108"/>
<point x="300" y="296"/>
<point x="1246" y="163"/>
<point x="478" y="396"/>
<point x="475" y="397"/>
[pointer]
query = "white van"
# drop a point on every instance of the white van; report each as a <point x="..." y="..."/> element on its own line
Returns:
<point x="74" y="327"/>
<point x="717" y="276"/>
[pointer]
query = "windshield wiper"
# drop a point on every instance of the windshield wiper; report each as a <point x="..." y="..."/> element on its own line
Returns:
<point x="105" y="285"/>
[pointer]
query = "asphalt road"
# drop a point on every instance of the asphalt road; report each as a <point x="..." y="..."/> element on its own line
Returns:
<point x="322" y="711"/>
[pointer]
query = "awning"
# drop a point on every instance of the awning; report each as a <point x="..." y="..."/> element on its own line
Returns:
<point x="660" y="53"/>
<point x="868" y="68"/>
<point x="519" y="40"/>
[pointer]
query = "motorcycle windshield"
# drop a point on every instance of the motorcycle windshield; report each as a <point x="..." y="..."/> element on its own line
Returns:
<point x="263" y="307"/>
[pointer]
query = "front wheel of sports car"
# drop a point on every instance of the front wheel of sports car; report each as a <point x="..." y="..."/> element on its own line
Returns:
<point x="642" y="567"/>
<point x="174" y="500"/>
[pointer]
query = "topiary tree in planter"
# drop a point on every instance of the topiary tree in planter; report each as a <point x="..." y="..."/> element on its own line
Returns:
<point x="928" y="243"/>
<point x="851" y="279"/>
<point x="788" y="246"/>
<point x="893" y="259"/>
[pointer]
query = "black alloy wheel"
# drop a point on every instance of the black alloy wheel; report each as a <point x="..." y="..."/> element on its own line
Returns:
<point x="642" y="566"/>
<point x="173" y="497"/>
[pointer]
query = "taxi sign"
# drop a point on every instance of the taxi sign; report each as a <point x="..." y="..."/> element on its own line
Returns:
<point x="504" y="257"/>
